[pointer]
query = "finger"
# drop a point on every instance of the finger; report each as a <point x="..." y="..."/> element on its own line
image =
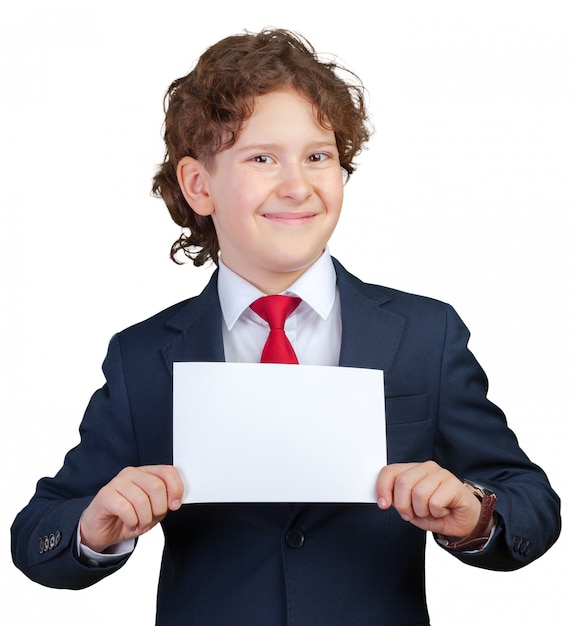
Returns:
<point x="403" y="494"/>
<point x="386" y="483"/>
<point x="421" y="497"/>
<point x="133" y="506"/>
<point x="173" y="482"/>
<point x="109" y="504"/>
<point x="443" y="498"/>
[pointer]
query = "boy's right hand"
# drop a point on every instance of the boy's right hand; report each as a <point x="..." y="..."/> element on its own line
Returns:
<point x="137" y="499"/>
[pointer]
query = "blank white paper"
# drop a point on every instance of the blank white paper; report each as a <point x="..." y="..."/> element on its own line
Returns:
<point x="251" y="432"/>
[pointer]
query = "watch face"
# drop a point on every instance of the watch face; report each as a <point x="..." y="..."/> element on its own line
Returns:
<point x="483" y="491"/>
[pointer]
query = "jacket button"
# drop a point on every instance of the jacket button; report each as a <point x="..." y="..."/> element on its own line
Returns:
<point x="295" y="538"/>
<point x="517" y="544"/>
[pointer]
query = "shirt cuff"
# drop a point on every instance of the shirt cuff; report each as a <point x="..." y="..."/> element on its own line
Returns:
<point x="112" y="555"/>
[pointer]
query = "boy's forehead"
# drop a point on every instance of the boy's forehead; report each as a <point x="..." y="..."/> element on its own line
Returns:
<point x="281" y="113"/>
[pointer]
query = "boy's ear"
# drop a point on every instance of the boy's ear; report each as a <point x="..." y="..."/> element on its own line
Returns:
<point x="192" y="177"/>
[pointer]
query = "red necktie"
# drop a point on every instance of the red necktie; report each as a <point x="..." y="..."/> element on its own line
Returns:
<point x="275" y="310"/>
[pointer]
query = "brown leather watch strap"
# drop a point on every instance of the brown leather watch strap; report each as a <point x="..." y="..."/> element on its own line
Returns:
<point x="478" y="537"/>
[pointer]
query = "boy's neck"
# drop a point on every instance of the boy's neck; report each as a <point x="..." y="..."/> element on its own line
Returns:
<point x="272" y="283"/>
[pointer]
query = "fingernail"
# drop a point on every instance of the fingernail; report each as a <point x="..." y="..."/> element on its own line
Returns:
<point x="382" y="502"/>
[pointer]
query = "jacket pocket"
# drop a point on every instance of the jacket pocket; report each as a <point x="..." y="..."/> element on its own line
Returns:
<point x="410" y="432"/>
<point x="407" y="409"/>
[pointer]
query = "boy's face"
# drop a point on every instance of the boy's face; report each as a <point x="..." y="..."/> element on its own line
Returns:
<point x="275" y="195"/>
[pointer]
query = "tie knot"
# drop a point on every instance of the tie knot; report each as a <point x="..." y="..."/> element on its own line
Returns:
<point x="275" y="309"/>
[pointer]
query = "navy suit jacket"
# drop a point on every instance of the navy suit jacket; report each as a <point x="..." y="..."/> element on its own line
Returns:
<point x="296" y="564"/>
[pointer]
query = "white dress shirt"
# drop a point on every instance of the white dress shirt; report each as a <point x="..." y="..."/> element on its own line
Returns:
<point x="314" y="328"/>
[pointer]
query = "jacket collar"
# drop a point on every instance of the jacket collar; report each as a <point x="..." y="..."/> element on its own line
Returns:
<point x="371" y="332"/>
<point x="198" y="322"/>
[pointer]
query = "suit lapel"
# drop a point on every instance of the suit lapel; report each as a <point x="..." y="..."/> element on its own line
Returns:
<point x="199" y="326"/>
<point x="370" y="332"/>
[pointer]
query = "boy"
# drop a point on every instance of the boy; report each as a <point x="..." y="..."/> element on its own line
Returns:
<point x="259" y="138"/>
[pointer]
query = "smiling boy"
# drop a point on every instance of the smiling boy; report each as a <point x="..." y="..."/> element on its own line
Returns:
<point x="275" y="195"/>
<point x="261" y="136"/>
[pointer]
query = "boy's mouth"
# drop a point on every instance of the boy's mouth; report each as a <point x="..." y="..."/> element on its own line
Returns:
<point x="290" y="217"/>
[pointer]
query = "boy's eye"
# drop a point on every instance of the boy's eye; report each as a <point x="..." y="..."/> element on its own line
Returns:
<point x="262" y="158"/>
<point x="317" y="157"/>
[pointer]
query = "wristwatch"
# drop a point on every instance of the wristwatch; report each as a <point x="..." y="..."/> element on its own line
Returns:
<point x="478" y="537"/>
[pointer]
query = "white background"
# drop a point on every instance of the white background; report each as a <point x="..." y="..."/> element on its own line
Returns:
<point x="464" y="194"/>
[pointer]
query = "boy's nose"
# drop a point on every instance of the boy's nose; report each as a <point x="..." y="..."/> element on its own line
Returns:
<point x="294" y="183"/>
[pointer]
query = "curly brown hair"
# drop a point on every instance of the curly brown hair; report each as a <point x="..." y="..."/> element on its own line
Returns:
<point x="205" y="111"/>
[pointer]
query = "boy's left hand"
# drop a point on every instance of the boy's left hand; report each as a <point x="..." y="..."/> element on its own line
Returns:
<point x="429" y="497"/>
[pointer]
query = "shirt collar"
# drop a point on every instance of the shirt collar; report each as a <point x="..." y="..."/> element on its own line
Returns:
<point x="316" y="287"/>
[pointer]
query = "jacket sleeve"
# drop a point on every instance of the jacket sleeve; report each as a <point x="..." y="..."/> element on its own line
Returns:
<point x="44" y="532"/>
<point x="474" y="442"/>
